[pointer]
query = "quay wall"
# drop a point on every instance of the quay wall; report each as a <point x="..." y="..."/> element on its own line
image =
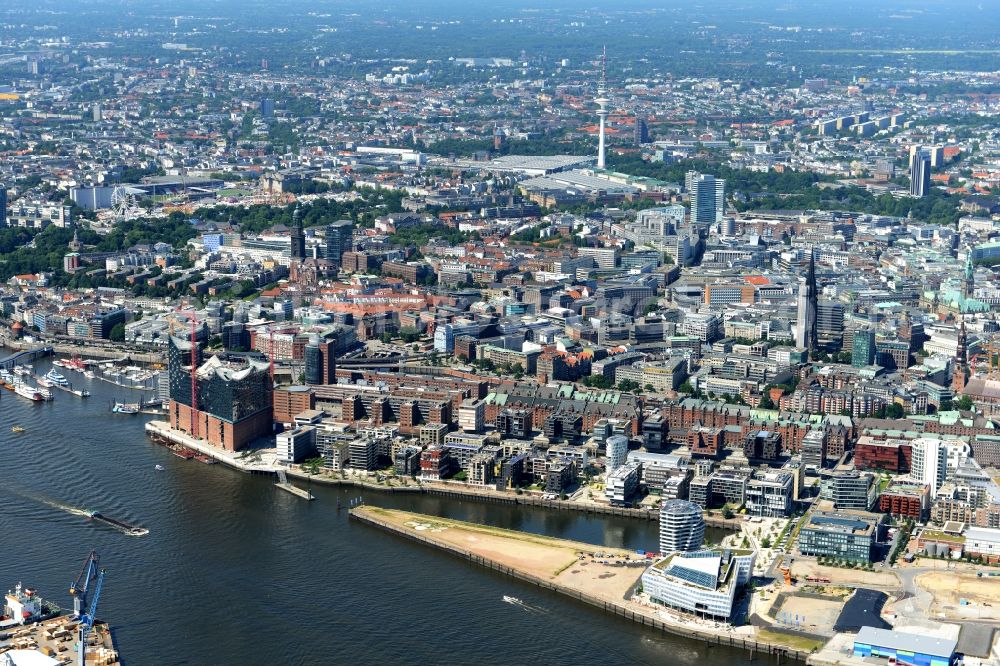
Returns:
<point x="109" y="351"/>
<point x="620" y="610"/>
<point x="497" y="497"/>
<point x="161" y="430"/>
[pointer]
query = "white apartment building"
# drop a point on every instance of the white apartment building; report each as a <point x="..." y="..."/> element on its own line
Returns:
<point x="682" y="526"/>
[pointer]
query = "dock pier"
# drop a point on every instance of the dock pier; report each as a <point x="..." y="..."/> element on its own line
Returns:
<point x="285" y="485"/>
<point x="67" y="388"/>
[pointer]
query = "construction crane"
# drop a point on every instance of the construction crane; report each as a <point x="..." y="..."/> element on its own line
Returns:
<point x="84" y="612"/>
<point x="194" y="364"/>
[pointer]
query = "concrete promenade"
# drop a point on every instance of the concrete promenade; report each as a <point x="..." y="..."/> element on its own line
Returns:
<point x="461" y="491"/>
<point x="645" y="616"/>
<point x="268" y="463"/>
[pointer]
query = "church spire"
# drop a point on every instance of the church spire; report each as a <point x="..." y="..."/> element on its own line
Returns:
<point x="298" y="237"/>
<point x="806" y="330"/>
<point x="969" y="283"/>
<point x="960" y="369"/>
<point x="811" y="276"/>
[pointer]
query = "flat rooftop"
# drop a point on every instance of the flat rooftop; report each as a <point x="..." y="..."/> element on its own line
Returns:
<point x="525" y="164"/>
<point x="842" y="523"/>
<point x="577" y="180"/>
<point x="913" y="643"/>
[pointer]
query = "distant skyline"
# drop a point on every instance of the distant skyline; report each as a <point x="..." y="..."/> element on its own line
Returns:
<point x="738" y="39"/>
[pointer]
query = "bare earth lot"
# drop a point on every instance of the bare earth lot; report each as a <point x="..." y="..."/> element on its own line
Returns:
<point x="838" y="576"/>
<point x="581" y="566"/>
<point x="948" y="589"/>
<point x="816" y="616"/>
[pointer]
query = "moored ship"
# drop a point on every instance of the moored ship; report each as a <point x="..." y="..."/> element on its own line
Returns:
<point x="29" y="392"/>
<point x="56" y="378"/>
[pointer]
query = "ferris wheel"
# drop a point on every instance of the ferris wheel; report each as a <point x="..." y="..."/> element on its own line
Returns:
<point x="124" y="205"/>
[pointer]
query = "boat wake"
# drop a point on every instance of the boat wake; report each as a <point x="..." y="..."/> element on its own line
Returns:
<point x="59" y="506"/>
<point x="97" y="517"/>
<point x="514" y="601"/>
<point x="72" y="510"/>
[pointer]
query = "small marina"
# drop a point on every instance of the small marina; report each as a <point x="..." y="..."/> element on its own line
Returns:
<point x="129" y="376"/>
<point x="19" y="376"/>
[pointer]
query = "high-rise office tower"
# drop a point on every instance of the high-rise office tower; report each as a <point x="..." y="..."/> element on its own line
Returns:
<point x="863" y="347"/>
<point x="298" y="236"/>
<point x="920" y="172"/>
<point x="708" y="199"/>
<point x="805" y="331"/>
<point x="339" y="239"/>
<point x="320" y="361"/>
<point x="641" y="131"/>
<point x="830" y="324"/>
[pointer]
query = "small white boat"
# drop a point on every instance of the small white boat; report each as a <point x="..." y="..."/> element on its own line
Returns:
<point x="159" y="468"/>
<point x="512" y="600"/>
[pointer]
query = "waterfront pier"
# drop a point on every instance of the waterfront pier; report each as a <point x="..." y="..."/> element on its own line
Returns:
<point x="294" y="490"/>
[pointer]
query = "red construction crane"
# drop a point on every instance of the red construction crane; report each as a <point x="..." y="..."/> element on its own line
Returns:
<point x="194" y="363"/>
<point x="194" y="376"/>
<point x="270" y="353"/>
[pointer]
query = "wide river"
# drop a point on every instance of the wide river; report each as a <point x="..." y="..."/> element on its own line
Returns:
<point x="235" y="571"/>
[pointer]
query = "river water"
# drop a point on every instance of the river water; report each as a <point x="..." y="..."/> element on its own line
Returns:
<point x="235" y="571"/>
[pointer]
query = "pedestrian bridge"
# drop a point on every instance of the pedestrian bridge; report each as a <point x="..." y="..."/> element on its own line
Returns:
<point x="26" y="356"/>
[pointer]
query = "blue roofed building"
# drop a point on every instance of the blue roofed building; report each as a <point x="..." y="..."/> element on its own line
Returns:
<point x="916" y="649"/>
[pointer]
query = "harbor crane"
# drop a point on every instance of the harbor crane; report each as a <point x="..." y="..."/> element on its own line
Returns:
<point x="86" y="588"/>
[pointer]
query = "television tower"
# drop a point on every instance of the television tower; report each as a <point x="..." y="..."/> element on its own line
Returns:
<point x="602" y="107"/>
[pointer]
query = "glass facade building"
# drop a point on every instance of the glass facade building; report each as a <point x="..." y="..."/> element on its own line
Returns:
<point x="841" y="535"/>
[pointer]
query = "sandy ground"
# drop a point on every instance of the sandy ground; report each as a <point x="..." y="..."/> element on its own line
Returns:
<point x="574" y="565"/>
<point x="983" y="595"/>
<point x="816" y="616"/>
<point x="580" y="566"/>
<point x="838" y="576"/>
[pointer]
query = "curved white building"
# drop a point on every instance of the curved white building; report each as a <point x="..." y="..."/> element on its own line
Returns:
<point x="616" y="451"/>
<point x="682" y="526"/>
